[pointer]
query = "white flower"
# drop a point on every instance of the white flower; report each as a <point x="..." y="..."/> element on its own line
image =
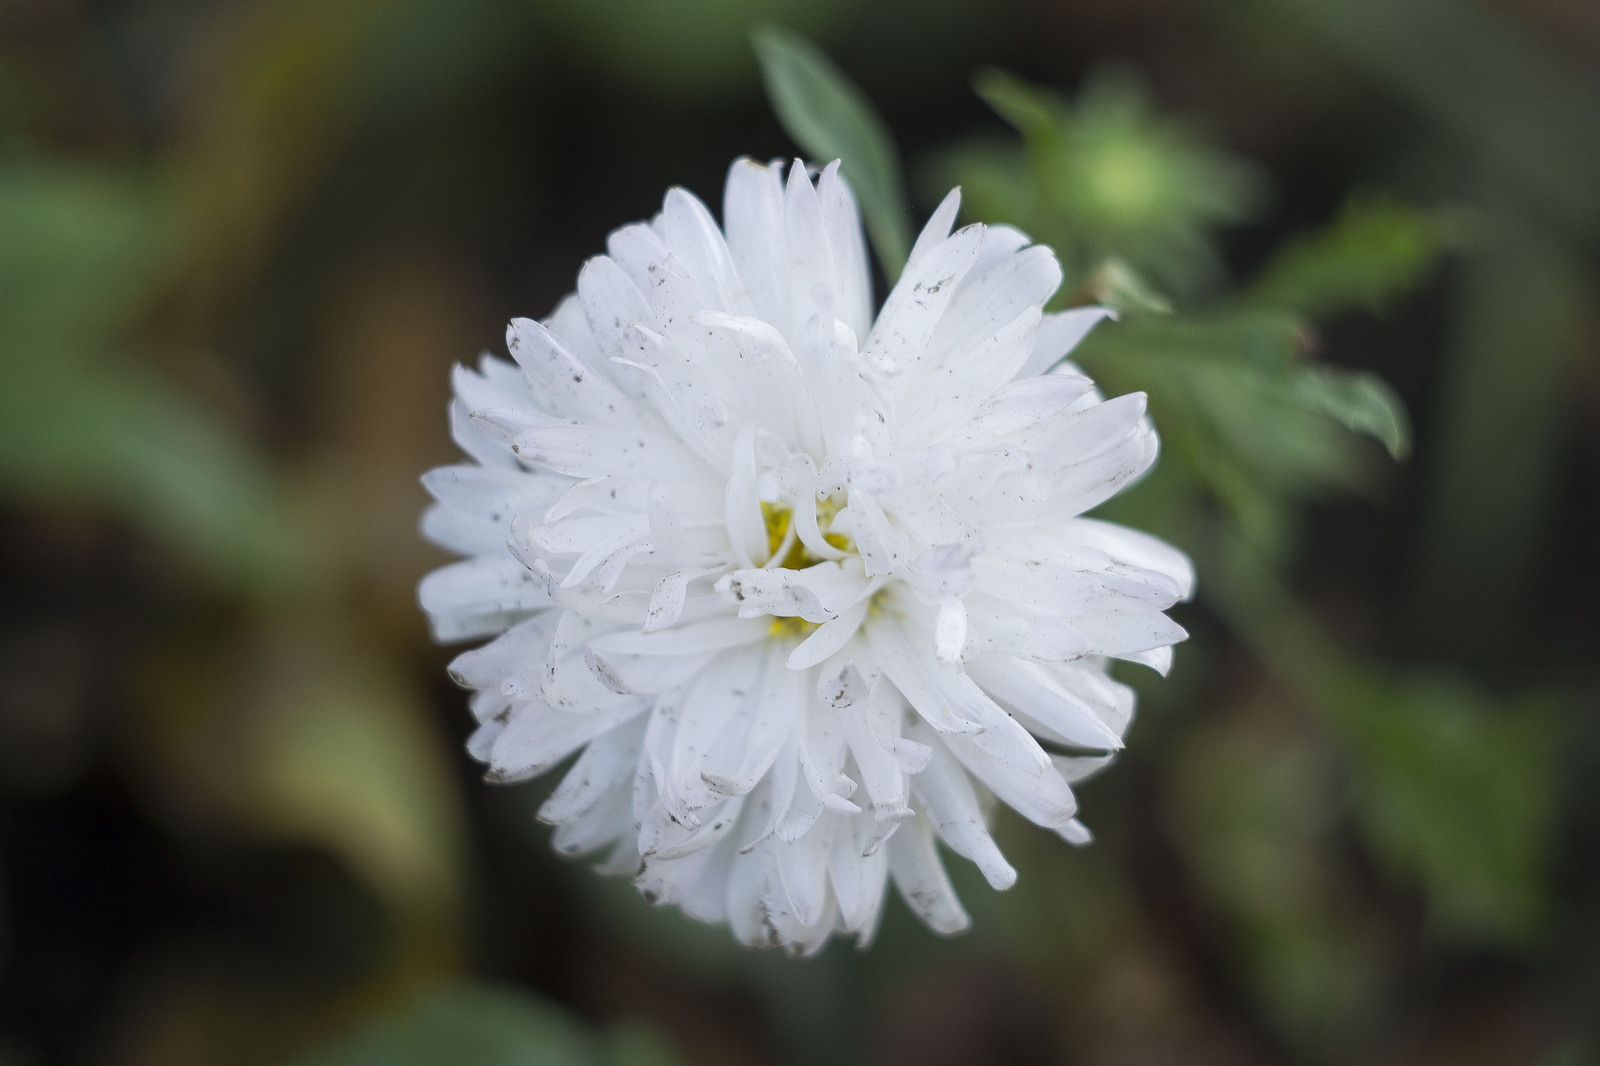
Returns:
<point x="806" y="590"/>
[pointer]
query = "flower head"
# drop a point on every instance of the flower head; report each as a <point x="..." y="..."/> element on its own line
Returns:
<point x="805" y="590"/>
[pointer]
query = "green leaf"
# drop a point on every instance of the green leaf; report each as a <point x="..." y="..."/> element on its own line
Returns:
<point x="1456" y="792"/>
<point x="484" y="1025"/>
<point x="82" y="423"/>
<point x="1035" y="112"/>
<point x="294" y="734"/>
<point x="1360" y="401"/>
<point x="829" y="117"/>
<point x="119" y="440"/>
<point x="1371" y="254"/>
<point x="1108" y="175"/>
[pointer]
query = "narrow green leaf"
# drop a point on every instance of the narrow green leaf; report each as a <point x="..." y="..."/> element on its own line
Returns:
<point x="1361" y="402"/>
<point x="123" y="442"/>
<point x="829" y="117"/>
<point x="1371" y="254"/>
<point x="1033" y="111"/>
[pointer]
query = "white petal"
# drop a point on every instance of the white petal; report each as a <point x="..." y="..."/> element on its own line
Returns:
<point x="587" y="451"/>
<point x="880" y="771"/>
<point x="715" y="826"/>
<point x="920" y="878"/>
<point x="1076" y="833"/>
<point x="812" y="273"/>
<point x="803" y="867"/>
<point x="1075" y="768"/>
<point x="1018" y="405"/>
<point x="1038" y="793"/>
<point x="611" y="303"/>
<point x="997" y="296"/>
<point x="604" y="824"/>
<point x="1119" y="627"/>
<point x="713" y="635"/>
<point x="605" y="764"/>
<point x="462" y="533"/>
<point x="1140" y="549"/>
<point x="636" y="248"/>
<point x="668" y="597"/>
<point x="693" y="237"/>
<point x="1076" y="436"/>
<point x="842" y="224"/>
<point x="537" y="737"/>
<point x="919" y="299"/>
<point x="481" y="586"/>
<point x="937" y="230"/>
<point x="946" y="793"/>
<point x="720" y="693"/>
<point x="562" y="383"/>
<point x="1061" y="332"/>
<point x="488" y="666"/>
<point x="829" y="637"/>
<point x="1157" y="659"/>
<point x="740" y="759"/>
<point x="858" y="880"/>
<point x="948" y="391"/>
<point x="479" y="445"/>
<point x="1087" y="485"/>
<point x="914" y="677"/>
<point x="997" y="626"/>
<point x="758" y="906"/>
<point x="753" y="212"/>
<point x="492" y="492"/>
<point x="1032" y="690"/>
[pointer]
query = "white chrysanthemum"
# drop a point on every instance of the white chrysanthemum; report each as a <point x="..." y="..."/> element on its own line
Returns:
<point x="808" y="591"/>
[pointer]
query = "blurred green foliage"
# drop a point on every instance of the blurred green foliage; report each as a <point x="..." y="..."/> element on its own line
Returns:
<point x="202" y="343"/>
<point x="482" y="1025"/>
<point x="81" y="252"/>
<point x="1451" y="790"/>
<point x="1106" y="175"/>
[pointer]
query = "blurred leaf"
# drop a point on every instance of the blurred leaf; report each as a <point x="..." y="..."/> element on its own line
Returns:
<point x="1507" y="399"/>
<point x="81" y="423"/>
<point x="1360" y="401"/>
<point x="298" y="735"/>
<point x="1371" y="254"/>
<point x="1104" y="175"/>
<point x="485" y="1025"/>
<point x="80" y="248"/>
<point x="1226" y="394"/>
<point x="1525" y="117"/>
<point x="1035" y="112"/>
<point x="829" y="118"/>
<point x="1453" y="790"/>
<point x="1260" y="823"/>
<point x="120" y="441"/>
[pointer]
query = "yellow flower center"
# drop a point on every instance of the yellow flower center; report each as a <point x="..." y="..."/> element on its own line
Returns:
<point x="778" y="519"/>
